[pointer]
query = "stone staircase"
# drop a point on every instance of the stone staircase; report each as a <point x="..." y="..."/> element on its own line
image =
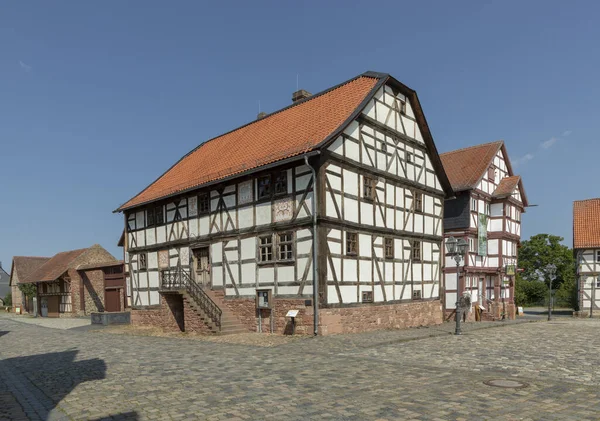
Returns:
<point x="230" y="323"/>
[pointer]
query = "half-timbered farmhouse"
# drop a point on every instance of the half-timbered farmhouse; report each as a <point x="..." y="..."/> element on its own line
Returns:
<point x="22" y="267"/>
<point x="486" y="212"/>
<point x="586" y="246"/>
<point x="72" y="283"/>
<point x="337" y="197"/>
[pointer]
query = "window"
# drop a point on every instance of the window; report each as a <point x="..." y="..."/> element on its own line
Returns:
<point x="281" y="182"/>
<point x="264" y="186"/>
<point x="402" y="107"/>
<point x="383" y="146"/>
<point x="285" y="244"/>
<point x="368" y="188"/>
<point x="415" y="252"/>
<point x="142" y="261"/>
<point x="150" y="218"/>
<point x="204" y="203"/>
<point x="517" y="215"/>
<point x="266" y="248"/>
<point x="491" y="174"/>
<point x="473" y="244"/>
<point x="474" y="204"/>
<point x="367" y="296"/>
<point x="389" y="248"/>
<point x="416" y="294"/>
<point x="409" y="157"/>
<point x="159" y="217"/>
<point x="487" y="209"/>
<point x="351" y="243"/>
<point x="597" y="282"/>
<point x="597" y="256"/>
<point x="418" y="202"/>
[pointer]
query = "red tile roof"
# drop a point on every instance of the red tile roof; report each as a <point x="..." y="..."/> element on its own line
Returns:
<point x="25" y="265"/>
<point x="586" y="223"/>
<point x="54" y="267"/>
<point x="292" y="131"/>
<point x="465" y="167"/>
<point x="506" y="186"/>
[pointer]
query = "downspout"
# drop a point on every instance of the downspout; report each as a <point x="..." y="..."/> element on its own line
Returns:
<point x="314" y="253"/>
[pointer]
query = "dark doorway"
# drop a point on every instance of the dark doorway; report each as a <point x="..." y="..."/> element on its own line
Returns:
<point x="53" y="305"/>
<point x="112" y="298"/>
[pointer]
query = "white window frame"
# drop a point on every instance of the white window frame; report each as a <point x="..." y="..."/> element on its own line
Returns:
<point x="474" y="204"/>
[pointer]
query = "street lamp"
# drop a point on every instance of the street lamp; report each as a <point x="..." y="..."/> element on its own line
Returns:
<point x="457" y="249"/>
<point x="551" y="274"/>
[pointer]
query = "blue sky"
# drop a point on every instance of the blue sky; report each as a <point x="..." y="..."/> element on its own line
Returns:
<point x="99" y="98"/>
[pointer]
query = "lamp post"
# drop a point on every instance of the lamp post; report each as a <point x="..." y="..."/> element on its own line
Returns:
<point x="457" y="249"/>
<point x="551" y="274"/>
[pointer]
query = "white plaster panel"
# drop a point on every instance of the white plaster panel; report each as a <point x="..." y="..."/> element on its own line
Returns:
<point x="406" y="292"/>
<point x="332" y="297"/>
<point x="152" y="260"/>
<point x="366" y="213"/>
<point x="302" y="262"/>
<point x="143" y="279"/>
<point x="350" y="270"/>
<point x="334" y="247"/>
<point x="364" y="245"/>
<point x="263" y="213"/>
<point x="351" y="209"/>
<point x="153" y="280"/>
<point x="365" y="270"/>
<point x="352" y="151"/>
<point x="140" y="238"/>
<point x="150" y="237"/>
<point x="285" y="274"/>
<point x="302" y="181"/>
<point x="330" y="206"/>
<point x="216" y="252"/>
<point x="337" y="146"/>
<point x="266" y="275"/>
<point x="248" y="273"/>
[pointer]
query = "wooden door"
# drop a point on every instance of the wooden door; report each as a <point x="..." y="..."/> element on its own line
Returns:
<point x="202" y="266"/>
<point x="112" y="298"/>
<point x="53" y="305"/>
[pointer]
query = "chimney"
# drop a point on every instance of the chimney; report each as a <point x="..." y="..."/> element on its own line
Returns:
<point x="300" y="95"/>
<point x="260" y="115"/>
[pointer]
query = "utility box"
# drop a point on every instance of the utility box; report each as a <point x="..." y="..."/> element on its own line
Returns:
<point x="264" y="298"/>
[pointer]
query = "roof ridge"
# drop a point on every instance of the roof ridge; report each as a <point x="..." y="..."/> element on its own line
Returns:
<point x="368" y="74"/>
<point x="472" y="147"/>
<point x="32" y="257"/>
<point x="586" y="200"/>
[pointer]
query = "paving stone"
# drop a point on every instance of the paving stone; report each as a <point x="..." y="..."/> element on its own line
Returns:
<point x="420" y="374"/>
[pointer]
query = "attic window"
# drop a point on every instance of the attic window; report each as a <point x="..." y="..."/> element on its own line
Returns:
<point x="281" y="182"/>
<point x="264" y="186"/>
<point x="368" y="188"/>
<point x="418" y="202"/>
<point x="491" y="174"/>
<point x="203" y="203"/>
<point x="150" y="221"/>
<point x="403" y="107"/>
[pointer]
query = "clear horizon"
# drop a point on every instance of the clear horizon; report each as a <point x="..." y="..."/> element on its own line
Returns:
<point x="99" y="99"/>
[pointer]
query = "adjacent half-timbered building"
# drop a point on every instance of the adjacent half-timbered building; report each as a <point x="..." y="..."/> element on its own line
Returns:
<point x="586" y="246"/>
<point x="21" y="268"/>
<point x="343" y="190"/>
<point x="486" y="211"/>
<point x="72" y="283"/>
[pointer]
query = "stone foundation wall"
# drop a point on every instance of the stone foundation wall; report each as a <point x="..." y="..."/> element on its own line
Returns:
<point x="371" y="317"/>
<point x="245" y="309"/>
<point x="169" y="316"/>
<point x="192" y="321"/>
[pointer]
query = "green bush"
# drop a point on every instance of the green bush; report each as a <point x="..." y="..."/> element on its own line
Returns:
<point x="8" y="299"/>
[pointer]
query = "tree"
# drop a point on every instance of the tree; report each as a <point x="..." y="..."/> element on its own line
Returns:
<point x="8" y="299"/>
<point x="535" y="254"/>
<point x="29" y="290"/>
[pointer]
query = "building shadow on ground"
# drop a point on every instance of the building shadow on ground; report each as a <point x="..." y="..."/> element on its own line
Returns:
<point x="3" y="332"/>
<point x="42" y="381"/>
<point x="123" y="416"/>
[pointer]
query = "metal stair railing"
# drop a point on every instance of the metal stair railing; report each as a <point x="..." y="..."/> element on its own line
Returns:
<point x="179" y="280"/>
<point x="210" y="308"/>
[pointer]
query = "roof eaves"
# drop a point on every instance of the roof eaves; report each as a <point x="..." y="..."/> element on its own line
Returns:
<point x="123" y="208"/>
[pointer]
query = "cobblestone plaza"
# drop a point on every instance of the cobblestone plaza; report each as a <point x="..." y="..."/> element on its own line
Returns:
<point x="415" y="374"/>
